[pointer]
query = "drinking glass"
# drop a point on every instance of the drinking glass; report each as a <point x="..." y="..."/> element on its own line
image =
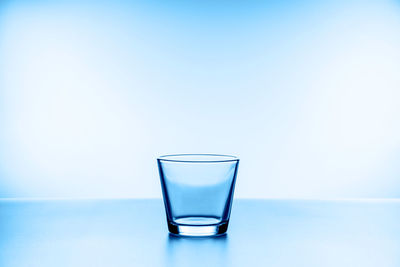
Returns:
<point x="198" y="191"/>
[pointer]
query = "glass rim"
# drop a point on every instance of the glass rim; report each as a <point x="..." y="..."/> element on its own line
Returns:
<point x="208" y="158"/>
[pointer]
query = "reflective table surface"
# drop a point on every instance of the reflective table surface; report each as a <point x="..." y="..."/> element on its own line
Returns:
<point x="261" y="233"/>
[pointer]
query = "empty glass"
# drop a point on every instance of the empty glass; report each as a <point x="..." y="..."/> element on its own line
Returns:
<point x="198" y="192"/>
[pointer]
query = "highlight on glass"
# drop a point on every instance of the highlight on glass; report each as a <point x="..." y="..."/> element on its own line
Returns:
<point x="198" y="191"/>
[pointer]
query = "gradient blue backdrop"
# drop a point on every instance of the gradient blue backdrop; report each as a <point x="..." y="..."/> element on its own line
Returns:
<point x="306" y="93"/>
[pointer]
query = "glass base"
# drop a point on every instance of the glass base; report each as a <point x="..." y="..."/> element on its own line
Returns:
<point x="198" y="230"/>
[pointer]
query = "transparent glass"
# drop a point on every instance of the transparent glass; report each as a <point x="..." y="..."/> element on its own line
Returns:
<point x="198" y="191"/>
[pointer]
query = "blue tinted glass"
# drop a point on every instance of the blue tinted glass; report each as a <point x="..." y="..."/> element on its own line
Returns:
<point x="198" y="191"/>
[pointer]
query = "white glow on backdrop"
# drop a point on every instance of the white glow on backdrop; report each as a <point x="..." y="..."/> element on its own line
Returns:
<point x="306" y="95"/>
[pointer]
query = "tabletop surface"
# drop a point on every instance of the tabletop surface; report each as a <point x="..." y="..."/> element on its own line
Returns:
<point x="132" y="232"/>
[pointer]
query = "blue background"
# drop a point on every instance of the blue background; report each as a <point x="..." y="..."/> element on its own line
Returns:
<point x="306" y="93"/>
